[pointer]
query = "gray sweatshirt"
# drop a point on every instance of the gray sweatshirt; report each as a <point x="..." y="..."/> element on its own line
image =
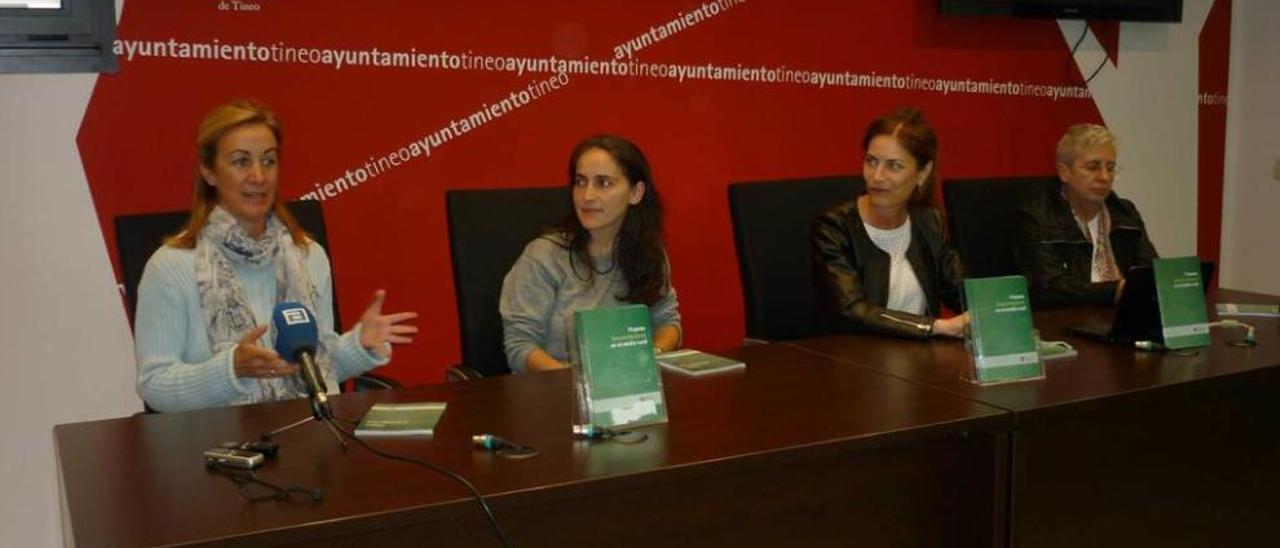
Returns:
<point x="541" y="292"/>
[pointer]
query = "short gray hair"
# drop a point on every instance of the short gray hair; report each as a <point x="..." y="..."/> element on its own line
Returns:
<point x="1082" y="137"/>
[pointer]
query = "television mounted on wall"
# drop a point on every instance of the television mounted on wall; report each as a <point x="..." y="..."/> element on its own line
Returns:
<point x="1158" y="11"/>
<point x="57" y="36"/>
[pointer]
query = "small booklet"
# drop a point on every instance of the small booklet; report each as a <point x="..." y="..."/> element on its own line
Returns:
<point x="1234" y="309"/>
<point x="401" y="419"/>
<point x="1184" y="317"/>
<point x="695" y="363"/>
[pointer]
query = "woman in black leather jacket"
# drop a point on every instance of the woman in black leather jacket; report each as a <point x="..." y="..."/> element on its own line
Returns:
<point x="881" y="263"/>
<point x="1076" y="240"/>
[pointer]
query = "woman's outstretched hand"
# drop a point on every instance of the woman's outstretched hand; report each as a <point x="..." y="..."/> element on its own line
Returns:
<point x="377" y="328"/>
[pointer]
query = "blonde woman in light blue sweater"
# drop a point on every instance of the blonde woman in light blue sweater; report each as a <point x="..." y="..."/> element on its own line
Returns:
<point x="206" y="296"/>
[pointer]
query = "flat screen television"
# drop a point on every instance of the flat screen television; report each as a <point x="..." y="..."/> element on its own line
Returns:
<point x="57" y="36"/>
<point x="1162" y="11"/>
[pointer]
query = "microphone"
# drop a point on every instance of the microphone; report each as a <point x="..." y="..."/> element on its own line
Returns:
<point x="296" y="339"/>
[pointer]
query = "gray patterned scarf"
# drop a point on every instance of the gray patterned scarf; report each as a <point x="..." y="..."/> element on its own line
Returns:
<point x="223" y="244"/>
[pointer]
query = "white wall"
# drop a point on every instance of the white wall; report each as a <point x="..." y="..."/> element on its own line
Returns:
<point x="1251" y="200"/>
<point x="65" y="350"/>
<point x="66" y="353"/>
<point x="1147" y="98"/>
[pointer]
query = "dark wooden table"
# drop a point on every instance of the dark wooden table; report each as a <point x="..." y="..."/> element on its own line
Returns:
<point x="798" y="450"/>
<point x="1120" y="447"/>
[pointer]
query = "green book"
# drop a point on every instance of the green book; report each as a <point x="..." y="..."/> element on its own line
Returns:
<point x="401" y="419"/>
<point x="695" y="363"/>
<point x="1001" y="337"/>
<point x="1184" y="317"/>
<point x="1249" y="309"/>
<point x="620" y="382"/>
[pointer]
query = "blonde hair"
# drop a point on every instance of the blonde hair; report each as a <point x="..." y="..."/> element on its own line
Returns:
<point x="1082" y="137"/>
<point x="216" y="124"/>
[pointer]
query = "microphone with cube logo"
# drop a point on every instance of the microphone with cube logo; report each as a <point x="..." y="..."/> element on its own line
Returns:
<point x="296" y="338"/>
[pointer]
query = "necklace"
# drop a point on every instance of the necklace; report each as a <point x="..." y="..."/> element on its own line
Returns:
<point x="613" y="264"/>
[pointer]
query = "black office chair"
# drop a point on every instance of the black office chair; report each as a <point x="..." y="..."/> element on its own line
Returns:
<point x="771" y="231"/>
<point x="981" y="215"/>
<point x="139" y="235"/>
<point x="488" y="230"/>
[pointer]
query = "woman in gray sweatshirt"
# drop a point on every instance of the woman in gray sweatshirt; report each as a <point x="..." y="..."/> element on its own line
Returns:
<point x="608" y="252"/>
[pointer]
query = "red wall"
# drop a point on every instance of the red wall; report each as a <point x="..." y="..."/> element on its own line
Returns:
<point x="138" y="133"/>
<point x="1215" y="42"/>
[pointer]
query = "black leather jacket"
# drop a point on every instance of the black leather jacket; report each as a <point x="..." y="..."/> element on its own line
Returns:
<point x="1056" y="257"/>
<point x="851" y="274"/>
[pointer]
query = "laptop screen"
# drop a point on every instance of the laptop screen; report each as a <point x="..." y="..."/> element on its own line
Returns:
<point x="1137" y="315"/>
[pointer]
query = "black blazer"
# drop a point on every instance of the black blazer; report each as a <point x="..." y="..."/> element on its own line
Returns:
<point x="851" y="274"/>
<point x="1056" y="257"/>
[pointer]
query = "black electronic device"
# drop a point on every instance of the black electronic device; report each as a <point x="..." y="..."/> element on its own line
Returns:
<point x="57" y="36"/>
<point x="1137" y="315"/>
<point x="234" y="458"/>
<point x="269" y="449"/>
<point x="1152" y="11"/>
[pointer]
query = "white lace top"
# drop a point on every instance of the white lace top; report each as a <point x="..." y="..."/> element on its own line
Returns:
<point x="905" y="293"/>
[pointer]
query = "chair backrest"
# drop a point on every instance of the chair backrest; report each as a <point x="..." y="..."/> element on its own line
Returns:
<point x="488" y="230"/>
<point x="771" y="227"/>
<point x="139" y="235"/>
<point x="981" y="215"/>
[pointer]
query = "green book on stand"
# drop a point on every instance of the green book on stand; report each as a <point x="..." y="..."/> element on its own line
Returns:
<point x="401" y="419"/>
<point x="1184" y="317"/>
<point x="620" y="383"/>
<point x="1001" y="337"/>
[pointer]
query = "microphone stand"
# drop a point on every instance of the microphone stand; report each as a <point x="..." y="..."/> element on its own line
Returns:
<point x="327" y="422"/>
<point x="321" y="411"/>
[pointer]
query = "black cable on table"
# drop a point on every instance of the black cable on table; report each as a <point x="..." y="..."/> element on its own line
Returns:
<point x="484" y="504"/>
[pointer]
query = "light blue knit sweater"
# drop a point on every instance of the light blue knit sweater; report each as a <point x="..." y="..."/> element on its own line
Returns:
<point x="177" y="369"/>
